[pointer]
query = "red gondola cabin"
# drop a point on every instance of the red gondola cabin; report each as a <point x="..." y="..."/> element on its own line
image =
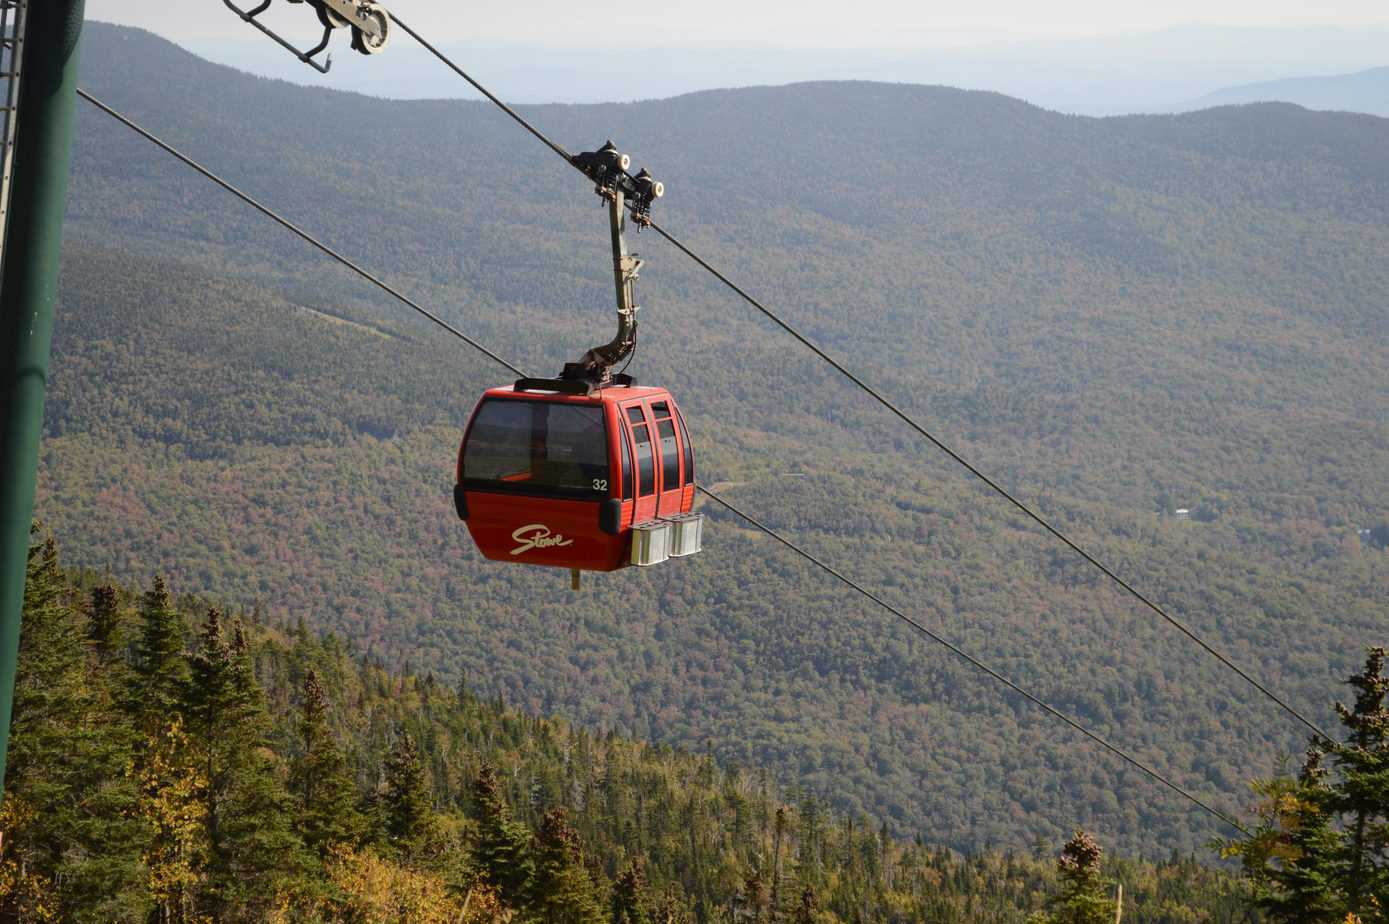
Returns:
<point x="591" y="480"/>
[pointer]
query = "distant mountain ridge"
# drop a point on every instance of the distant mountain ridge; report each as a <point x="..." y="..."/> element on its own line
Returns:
<point x="1095" y="75"/>
<point x="1365" y="91"/>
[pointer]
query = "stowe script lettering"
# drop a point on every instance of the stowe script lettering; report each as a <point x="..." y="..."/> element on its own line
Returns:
<point x="537" y="536"/>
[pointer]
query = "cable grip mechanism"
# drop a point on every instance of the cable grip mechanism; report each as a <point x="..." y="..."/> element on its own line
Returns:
<point x="622" y="192"/>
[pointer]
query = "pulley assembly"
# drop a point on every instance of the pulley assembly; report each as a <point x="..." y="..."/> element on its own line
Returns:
<point x="368" y="21"/>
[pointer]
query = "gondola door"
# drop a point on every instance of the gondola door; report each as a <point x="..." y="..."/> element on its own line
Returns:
<point x="637" y="428"/>
<point x="668" y="453"/>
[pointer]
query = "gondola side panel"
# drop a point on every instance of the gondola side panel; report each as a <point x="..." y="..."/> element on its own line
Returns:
<point x="543" y="531"/>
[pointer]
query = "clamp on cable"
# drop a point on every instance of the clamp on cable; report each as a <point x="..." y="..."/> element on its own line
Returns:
<point x="607" y="167"/>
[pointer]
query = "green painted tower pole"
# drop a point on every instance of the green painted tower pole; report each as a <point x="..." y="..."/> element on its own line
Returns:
<point x="43" y="149"/>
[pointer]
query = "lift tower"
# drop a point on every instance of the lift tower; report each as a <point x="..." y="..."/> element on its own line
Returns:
<point x="39" y="64"/>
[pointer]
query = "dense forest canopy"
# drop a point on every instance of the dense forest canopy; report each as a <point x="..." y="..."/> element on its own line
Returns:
<point x="228" y="768"/>
<point x="1119" y="317"/>
<point x="177" y="763"/>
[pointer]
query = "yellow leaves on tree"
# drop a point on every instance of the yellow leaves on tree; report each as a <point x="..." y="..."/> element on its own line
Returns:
<point x="28" y="895"/>
<point x="170" y="802"/>
<point x="377" y="891"/>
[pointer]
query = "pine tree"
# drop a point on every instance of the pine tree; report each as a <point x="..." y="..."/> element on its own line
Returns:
<point x="1303" y="884"/>
<point x="1321" y="850"/>
<point x="1361" y="796"/>
<point x="243" y="671"/>
<point x="779" y="831"/>
<point x="629" y="897"/>
<point x="104" y="624"/>
<point x="806" y="909"/>
<point x="67" y="800"/>
<point x="406" y="801"/>
<point x="251" y="846"/>
<point x="264" y="849"/>
<point x="1082" y="897"/>
<point x="320" y="780"/>
<point x="160" y="667"/>
<point x="502" y="852"/>
<point x="561" y="891"/>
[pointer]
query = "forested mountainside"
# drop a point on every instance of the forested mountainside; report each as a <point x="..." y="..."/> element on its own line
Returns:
<point x="172" y="761"/>
<point x="1119" y="317"/>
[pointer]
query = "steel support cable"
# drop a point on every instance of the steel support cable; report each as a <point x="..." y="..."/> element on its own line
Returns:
<point x="976" y="663"/>
<point x="558" y="149"/>
<point x="902" y="415"/>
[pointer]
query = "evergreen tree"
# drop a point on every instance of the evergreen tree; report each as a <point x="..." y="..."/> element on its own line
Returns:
<point x="1361" y="793"/>
<point x="104" y="624"/>
<point x="779" y="831"/>
<point x="1082" y="898"/>
<point x="264" y="847"/>
<point x="66" y="819"/>
<point x="502" y="851"/>
<point x="629" y="897"/>
<point x="319" y="777"/>
<point x="406" y="801"/>
<point x="561" y="891"/>
<point x="1304" y="887"/>
<point x="251" y="846"/>
<point x="243" y="672"/>
<point x="160" y="667"/>
<point x="1321" y="850"/>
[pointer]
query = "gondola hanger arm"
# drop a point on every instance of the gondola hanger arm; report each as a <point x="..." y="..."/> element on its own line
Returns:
<point x="607" y="168"/>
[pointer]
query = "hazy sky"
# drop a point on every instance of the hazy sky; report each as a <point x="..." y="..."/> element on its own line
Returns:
<point x="763" y="22"/>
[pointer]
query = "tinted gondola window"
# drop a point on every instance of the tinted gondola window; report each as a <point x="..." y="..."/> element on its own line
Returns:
<point x="670" y="456"/>
<point x="538" y="447"/>
<point x="646" y="465"/>
<point x="689" y="449"/>
<point x="627" y="485"/>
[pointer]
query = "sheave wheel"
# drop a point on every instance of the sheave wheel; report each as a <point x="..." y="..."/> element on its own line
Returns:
<point x="363" y="40"/>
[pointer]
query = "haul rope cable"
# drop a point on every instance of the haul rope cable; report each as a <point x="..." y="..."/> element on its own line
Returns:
<point x="878" y="396"/>
<point x="914" y="624"/>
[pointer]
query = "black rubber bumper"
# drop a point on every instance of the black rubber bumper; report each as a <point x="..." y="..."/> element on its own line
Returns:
<point x="610" y="516"/>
